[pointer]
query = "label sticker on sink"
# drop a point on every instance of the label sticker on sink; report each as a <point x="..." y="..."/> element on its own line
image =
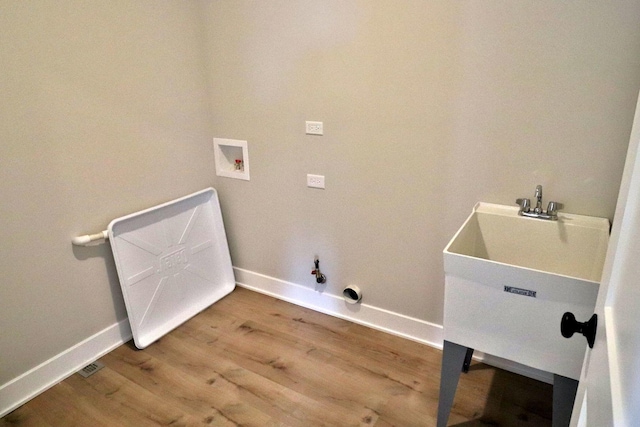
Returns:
<point x="519" y="291"/>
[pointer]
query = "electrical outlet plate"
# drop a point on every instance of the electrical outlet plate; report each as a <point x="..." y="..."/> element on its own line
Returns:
<point x="314" y="128"/>
<point x="315" y="181"/>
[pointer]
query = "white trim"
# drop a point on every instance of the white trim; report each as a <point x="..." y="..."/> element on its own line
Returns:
<point x="49" y="373"/>
<point x="364" y="314"/>
<point x="424" y="332"/>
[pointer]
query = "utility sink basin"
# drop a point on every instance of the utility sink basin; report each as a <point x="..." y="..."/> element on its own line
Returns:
<point x="509" y="279"/>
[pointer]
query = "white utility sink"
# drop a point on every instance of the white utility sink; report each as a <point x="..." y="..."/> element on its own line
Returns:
<point x="509" y="280"/>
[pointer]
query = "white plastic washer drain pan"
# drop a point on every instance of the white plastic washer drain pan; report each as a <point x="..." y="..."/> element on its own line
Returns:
<point x="173" y="262"/>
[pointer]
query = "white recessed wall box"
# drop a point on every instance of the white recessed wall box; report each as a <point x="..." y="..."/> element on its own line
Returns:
<point x="232" y="158"/>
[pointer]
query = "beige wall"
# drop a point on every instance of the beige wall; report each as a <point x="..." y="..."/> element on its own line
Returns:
<point x="103" y="111"/>
<point x="428" y="107"/>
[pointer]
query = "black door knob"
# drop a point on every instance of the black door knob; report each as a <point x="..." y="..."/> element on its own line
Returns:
<point x="569" y="325"/>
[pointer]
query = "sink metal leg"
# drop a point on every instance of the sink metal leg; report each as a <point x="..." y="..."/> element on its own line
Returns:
<point x="564" y="393"/>
<point x="467" y="360"/>
<point x="455" y="358"/>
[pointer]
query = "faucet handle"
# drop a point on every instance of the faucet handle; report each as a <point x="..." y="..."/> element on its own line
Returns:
<point x="554" y="207"/>
<point x="525" y="204"/>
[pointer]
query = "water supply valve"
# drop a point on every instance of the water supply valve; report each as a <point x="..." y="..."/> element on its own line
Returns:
<point x="320" y="278"/>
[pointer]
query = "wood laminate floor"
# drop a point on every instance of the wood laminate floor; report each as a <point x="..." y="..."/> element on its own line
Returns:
<point x="252" y="360"/>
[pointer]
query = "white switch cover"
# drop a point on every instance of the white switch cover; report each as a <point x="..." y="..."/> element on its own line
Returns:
<point x="313" y="128"/>
<point x="315" y="181"/>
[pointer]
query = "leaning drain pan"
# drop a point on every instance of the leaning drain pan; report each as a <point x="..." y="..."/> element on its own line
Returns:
<point x="173" y="262"/>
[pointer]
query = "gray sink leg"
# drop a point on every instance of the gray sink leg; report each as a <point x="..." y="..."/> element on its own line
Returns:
<point x="564" y="393"/>
<point x="467" y="360"/>
<point x="455" y="358"/>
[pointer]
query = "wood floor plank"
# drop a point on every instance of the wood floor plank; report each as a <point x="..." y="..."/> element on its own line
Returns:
<point x="132" y="396"/>
<point x="24" y="416"/>
<point x="61" y="406"/>
<point x="278" y="401"/>
<point x="285" y="360"/>
<point x="108" y="407"/>
<point x="252" y="360"/>
<point x="189" y="394"/>
<point x="344" y="338"/>
<point x="294" y="365"/>
<point x="382" y="360"/>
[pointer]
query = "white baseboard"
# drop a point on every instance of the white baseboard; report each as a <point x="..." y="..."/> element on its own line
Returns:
<point x="367" y="315"/>
<point x="49" y="373"/>
<point x="374" y="317"/>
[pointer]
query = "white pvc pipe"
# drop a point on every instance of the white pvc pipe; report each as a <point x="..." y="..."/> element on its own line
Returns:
<point x="88" y="239"/>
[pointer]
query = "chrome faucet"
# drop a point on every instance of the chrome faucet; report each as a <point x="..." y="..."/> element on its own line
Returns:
<point x="538" y="212"/>
<point x="538" y="208"/>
